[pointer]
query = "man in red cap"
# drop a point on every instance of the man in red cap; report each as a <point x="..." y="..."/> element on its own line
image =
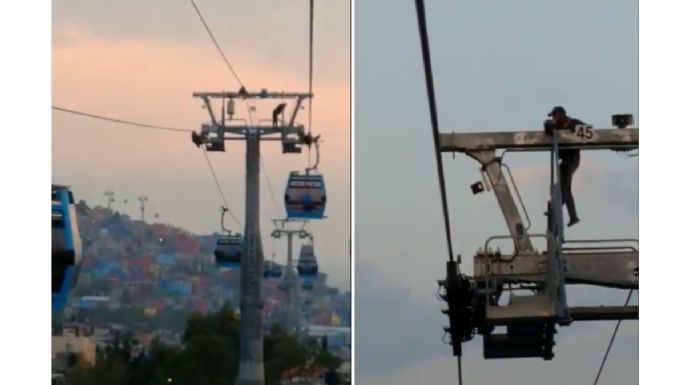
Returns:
<point x="570" y="160"/>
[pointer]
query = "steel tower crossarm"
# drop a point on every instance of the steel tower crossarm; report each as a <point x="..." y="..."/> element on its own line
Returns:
<point x="594" y="139"/>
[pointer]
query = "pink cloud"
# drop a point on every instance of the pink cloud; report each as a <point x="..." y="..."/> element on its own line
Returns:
<point x="153" y="81"/>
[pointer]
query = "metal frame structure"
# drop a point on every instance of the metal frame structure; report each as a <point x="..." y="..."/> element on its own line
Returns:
<point x="110" y="198"/>
<point x="213" y="136"/>
<point x="474" y="302"/>
<point x="292" y="286"/>
<point x="142" y="199"/>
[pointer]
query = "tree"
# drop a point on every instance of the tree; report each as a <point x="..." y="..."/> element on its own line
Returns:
<point x="209" y="356"/>
<point x="327" y="360"/>
<point x="282" y="352"/>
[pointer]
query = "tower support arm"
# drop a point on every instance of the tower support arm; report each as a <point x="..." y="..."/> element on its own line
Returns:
<point x="242" y="130"/>
<point x="610" y="269"/>
<point x="252" y="95"/>
<point x="493" y="169"/>
<point x="297" y="108"/>
<point x="208" y="104"/>
<point x="604" y="313"/>
<point x="597" y="139"/>
<point x="616" y="269"/>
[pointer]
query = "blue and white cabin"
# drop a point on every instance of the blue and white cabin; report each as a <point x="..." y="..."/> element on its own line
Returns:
<point x="272" y="270"/>
<point x="228" y="251"/>
<point x="307" y="285"/>
<point x="66" y="246"/>
<point x="307" y="267"/>
<point x="305" y="196"/>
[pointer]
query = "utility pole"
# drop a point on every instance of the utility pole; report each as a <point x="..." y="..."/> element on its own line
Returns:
<point x="213" y="137"/>
<point x="292" y="288"/>
<point x="142" y="200"/>
<point x="110" y="199"/>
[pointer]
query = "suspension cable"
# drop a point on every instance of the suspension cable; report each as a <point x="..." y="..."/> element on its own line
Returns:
<point x="114" y="120"/>
<point x="311" y="80"/>
<point x="423" y="32"/>
<point x="136" y="124"/>
<point x="420" y="10"/>
<point x="247" y="103"/>
<point x="459" y="369"/>
<point x="216" y="44"/>
<point x="611" y="342"/>
<point x="218" y="186"/>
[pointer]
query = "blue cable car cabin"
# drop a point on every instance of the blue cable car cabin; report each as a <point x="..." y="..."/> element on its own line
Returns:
<point x="272" y="270"/>
<point x="307" y="267"/>
<point x="305" y="196"/>
<point x="66" y="246"/>
<point x="307" y="285"/>
<point x="266" y="271"/>
<point x="276" y="270"/>
<point x="228" y="251"/>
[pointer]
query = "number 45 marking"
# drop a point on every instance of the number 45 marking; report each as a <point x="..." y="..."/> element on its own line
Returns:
<point x="585" y="131"/>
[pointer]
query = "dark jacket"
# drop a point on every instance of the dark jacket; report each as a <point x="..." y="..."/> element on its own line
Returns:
<point x="570" y="154"/>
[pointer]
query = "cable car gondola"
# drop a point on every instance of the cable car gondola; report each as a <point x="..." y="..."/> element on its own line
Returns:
<point x="307" y="267"/>
<point x="228" y="251"/>
<point x="276" y="270"/>
<point x="305" y="196"/>
<point x="66" y="246"/>
<point x="229" y="247"/>
<point x="266" y="271"/>
<point x="307" y="285"/>
<point x="272" y="269"/>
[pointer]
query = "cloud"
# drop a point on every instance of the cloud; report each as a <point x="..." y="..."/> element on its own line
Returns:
<point x="392" y="329"/>
<point x="577" y="362"/>
<point x="397" y="341"/>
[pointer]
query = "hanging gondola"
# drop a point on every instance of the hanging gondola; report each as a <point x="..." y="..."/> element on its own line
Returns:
<point x="272" y="269"/>
<point x="66" y="246"/>
<point x="276" y="270"/>
<point x="229" y="246"/>
<point x="266" y="270"/>
<point x="307" y="267"/>
<point x="228" y="251"/>
<point x="305" y="196"/>
<point x="307" y="285"/>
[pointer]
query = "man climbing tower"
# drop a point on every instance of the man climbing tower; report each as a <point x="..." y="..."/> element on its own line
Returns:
<point x="570" y="160"/>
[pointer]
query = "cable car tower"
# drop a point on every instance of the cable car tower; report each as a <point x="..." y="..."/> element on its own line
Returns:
<point x="213" y="136"/>
<point x="290" y="281"/>
<point x="535" y="281"/>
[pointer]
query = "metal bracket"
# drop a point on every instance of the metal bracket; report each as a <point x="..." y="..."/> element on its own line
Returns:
<point x="493" y="168"/>
<point x="607" y="268"/>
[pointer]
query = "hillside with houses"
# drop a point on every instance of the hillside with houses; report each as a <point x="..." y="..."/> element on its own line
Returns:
<point x="146" y="280"/>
